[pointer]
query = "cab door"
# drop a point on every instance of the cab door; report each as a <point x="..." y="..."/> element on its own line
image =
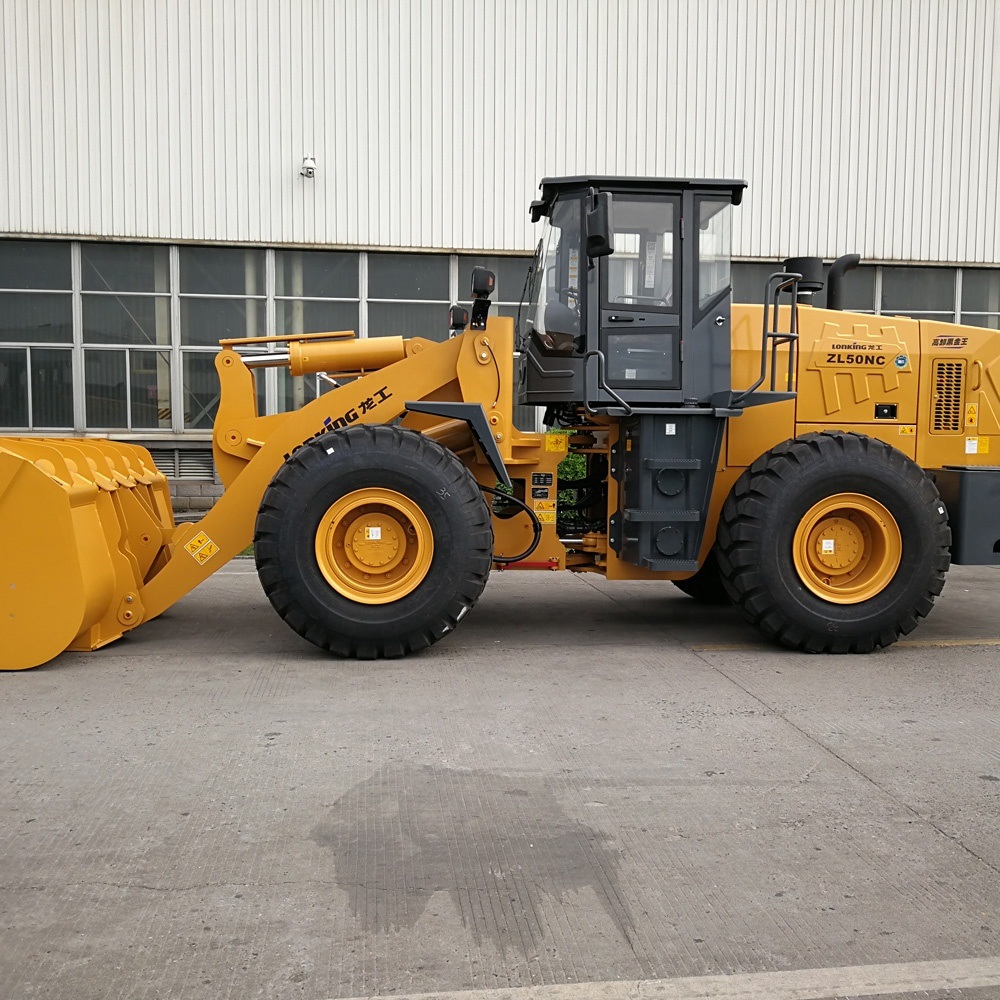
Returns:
<point x="641" y="296"/>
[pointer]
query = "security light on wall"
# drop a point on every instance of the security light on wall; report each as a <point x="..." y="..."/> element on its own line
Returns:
<point x="308" y="167"/>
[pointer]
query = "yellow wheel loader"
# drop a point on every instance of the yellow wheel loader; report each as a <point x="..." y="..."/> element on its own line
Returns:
<point x="818" y="468"/>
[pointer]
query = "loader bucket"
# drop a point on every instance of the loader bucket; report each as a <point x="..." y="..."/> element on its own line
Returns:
<point x="85" y="523"/>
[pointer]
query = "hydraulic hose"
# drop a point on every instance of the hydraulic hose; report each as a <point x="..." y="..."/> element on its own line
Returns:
<point x="536" y="526"/>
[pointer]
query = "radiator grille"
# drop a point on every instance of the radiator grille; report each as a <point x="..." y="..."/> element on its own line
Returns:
<point x="184" y="463"/>
<point x="949" y="379"/>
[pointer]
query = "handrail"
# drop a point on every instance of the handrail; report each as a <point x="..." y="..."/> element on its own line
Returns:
<point x="782" y="280"/>
<point x="602" y="384"/>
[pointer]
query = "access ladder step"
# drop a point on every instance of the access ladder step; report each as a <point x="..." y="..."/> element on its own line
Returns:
<point x="672" y="463"/>
<point x="671" y="565"/>
<point x="666" y="516"/>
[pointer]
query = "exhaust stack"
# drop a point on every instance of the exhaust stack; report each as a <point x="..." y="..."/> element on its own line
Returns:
<point x="835" y="279"/>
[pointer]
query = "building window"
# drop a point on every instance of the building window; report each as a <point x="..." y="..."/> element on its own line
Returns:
<point x="14" y="387"/>
<point x="222" y="296"/>
<point x="36" y="313"/>
<point x="126" y="333"/>
<point x="50" y="387"/>
<point x="408" y="295"/>
<point x="981" y="297"/>
<point x="750" y="280"/>
<point x="920" y="292"/>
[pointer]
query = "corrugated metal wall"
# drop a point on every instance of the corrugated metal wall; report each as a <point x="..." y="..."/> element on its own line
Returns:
<point x="867" y="125"/>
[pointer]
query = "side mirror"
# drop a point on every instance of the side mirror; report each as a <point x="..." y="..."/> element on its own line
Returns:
<point x="599" y="227"/>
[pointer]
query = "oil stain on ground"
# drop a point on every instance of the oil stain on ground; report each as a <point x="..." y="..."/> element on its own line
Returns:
<point x="500" y="845"/>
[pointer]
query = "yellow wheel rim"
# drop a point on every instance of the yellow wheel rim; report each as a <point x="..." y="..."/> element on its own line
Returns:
<point x="374" y="546"/>
<point x="847" y="548"/>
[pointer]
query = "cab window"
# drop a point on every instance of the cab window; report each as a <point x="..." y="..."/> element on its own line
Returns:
<point x="714" y="248"/>
<point x="642" y="273"/>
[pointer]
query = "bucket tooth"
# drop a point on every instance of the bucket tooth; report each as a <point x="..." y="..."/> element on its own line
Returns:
<point x="141" y="498"/>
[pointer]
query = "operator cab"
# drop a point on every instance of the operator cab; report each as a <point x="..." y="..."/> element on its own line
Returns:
<point x="629" y="302"/>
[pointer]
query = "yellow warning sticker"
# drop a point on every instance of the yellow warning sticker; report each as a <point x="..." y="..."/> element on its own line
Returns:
<point x="197" y="542"/>
<point x="556" y="442"/>
<point x="984" y="446"/>
<point x="972" y="415"/>
<point x="201" y="548"/>
<point x="905" y="431"/>
<point x="545" y="505"/>
<point x="546" y="517"/>
<point x="206" y="552"/>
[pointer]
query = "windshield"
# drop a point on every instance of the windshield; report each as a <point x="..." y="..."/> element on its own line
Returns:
<point x="557" y="285"/>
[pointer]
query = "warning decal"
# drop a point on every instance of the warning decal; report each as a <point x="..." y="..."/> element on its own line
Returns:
<point x="201" y="548"/>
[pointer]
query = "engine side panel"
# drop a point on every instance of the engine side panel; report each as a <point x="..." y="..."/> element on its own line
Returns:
<point x="959" y="423"/>
<point x="855" y="369"/>
<point x="930" y="389"/>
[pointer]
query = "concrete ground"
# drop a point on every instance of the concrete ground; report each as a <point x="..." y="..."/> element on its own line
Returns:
<point x="588" y="790"/>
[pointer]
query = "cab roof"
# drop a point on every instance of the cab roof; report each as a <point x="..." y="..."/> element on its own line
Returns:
<point x="551" y="187"/>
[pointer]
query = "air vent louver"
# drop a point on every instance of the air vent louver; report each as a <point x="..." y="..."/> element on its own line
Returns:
<point x="184" y="463"/>
<point x="949" y="382"/>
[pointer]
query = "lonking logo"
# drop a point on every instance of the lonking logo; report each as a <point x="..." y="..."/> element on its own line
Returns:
<point x="365" y="406"/>
<point x="350" y="416"/>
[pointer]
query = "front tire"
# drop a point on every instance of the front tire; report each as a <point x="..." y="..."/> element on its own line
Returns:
<point x="834" y="543"/>
<point x="373" y="541"/>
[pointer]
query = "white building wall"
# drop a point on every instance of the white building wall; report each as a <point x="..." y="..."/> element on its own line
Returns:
<point x="864" y="125"/>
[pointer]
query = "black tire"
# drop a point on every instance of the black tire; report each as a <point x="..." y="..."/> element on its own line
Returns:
<point x="336" y="465"/>
<point x="770" y="500"/>
<point x="706" y="586"/>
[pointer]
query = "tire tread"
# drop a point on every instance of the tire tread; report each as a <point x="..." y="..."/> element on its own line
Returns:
<point x="744" y="517"/>
<point x="294" y="476"/>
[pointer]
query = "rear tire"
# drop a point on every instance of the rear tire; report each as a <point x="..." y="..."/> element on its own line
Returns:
<point x="834" y="543"/>
<point x="706" y="586"/>
<point x="373" y="541"/>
